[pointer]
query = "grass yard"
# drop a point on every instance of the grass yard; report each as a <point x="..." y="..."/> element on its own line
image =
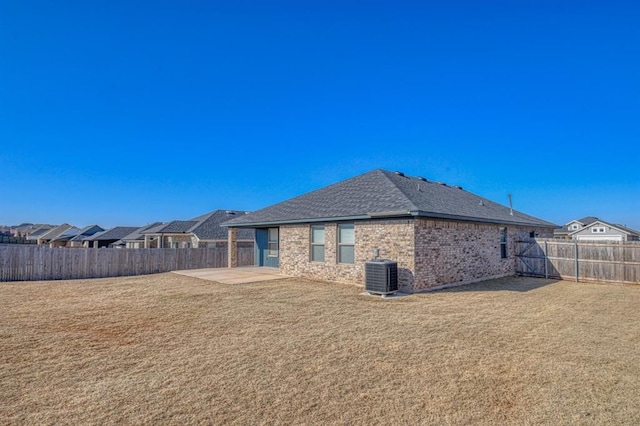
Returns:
<point x="174" y="349"/>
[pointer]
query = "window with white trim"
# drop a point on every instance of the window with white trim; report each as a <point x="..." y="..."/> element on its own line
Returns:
<point x="598" y="230"/>
<point x="346" y="243"/>
<point x="272" y="242"/>
<point x="317" y="243"/>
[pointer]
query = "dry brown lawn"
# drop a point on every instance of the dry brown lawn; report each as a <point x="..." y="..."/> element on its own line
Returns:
<point x="171" y="349"/>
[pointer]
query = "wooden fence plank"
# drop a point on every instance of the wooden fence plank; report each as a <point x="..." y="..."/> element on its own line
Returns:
<point x="581" y="261"/>
<point x="29" y="263"/>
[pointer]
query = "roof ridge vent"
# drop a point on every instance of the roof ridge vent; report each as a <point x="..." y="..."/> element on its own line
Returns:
<point x="457" y="186"/>
<point x="441" y="183"/>
<point x="422" y="179"/>
<point x="399" y="173"/>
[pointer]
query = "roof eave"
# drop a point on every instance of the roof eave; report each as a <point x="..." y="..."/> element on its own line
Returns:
<point x="481" y="219"/>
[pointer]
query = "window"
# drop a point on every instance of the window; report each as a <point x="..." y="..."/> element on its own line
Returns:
<point x="317" y="243"/>
<point x="346" y="241"/>
<point x="503" y="243"/>
<point x="574" y="227"/>
<point x="598" y="230"/>
<point x="272" y="242"/>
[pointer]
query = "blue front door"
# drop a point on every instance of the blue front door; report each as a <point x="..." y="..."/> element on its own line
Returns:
<point x="267" y="247"/>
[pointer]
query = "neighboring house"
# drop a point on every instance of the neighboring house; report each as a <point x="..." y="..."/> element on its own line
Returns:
<point x="108" y="237"/>
<point x="593" y="229"/>
<point x="62" y="239"/>
<point x="52" y="234"/>
<point x="78" y="239"/>
<point x="174" y="234"/>
<point x="603" y="231"/>
<point x="440" y="235"/>
<point x="201" y="231"/>
<point x="39" y="231"/>
<point x="573" y="226"/>
<point x="136" y="238"/>
<point x="24" y="229"/>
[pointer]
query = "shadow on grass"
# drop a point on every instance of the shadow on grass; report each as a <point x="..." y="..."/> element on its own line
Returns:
<point x="519" y="284"/>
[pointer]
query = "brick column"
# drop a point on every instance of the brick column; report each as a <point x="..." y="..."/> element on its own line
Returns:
<point x="232" y="246"/>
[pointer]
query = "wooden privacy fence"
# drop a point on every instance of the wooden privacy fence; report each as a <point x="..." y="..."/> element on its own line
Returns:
<point x="25" y="263"/>
<point x="617" y="262"/>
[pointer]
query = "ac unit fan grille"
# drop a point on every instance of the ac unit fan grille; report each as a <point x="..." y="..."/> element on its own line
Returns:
<point x="381" y="276"/>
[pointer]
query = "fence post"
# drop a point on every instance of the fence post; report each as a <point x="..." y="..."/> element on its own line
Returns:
<point x="576" y="252"/>
<point x="546" y="248"/>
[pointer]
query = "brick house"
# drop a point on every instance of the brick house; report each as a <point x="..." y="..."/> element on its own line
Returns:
<point x="201" y="231"/>
<point x="108" y="237"/>
<point x="440" y="235"/>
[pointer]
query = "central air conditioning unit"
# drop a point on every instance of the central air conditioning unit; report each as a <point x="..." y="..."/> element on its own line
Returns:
<point x="381" y="277"/>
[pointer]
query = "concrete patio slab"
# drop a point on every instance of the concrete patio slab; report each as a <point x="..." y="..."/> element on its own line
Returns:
<point x="241" y="275"/>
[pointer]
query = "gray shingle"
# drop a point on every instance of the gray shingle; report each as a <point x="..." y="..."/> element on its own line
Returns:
<point x="55" y="232"/>
<point x="138" y="234"/>
<point x="87" y="231"/>
<point x="177" y="227"/>
<point x="112" y="234"/>
<point x="381" y="193"/>
<point x="208" y="226"/>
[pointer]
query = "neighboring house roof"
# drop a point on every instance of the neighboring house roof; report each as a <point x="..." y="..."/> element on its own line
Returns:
<point x="208" y="226"/>
<point x="87" y="231"/>
<point x="138" y="234"/>
<point x="176" y="227"/>
<point x="585" y="221"/>
<point x="67" y="235"/>
<point x="55" y="232"/>
<point x="381" y="193"/>
<point x="112" y="234"/>
<point x="154" y="229"/>
<point x="39" y="231"/>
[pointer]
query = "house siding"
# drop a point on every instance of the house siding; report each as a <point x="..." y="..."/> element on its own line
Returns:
<point x="430" y="253"/>
<point x="610" y="232"/>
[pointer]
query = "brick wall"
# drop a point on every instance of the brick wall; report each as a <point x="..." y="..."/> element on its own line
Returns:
<point x="394" y="239"/>
<point x="456" y="252"/>
<point x="430" y="253"/>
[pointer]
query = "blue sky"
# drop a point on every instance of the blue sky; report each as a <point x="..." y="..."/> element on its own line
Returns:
<point x="124" y="113"/>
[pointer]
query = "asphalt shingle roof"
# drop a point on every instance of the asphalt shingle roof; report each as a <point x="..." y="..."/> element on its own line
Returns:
<point x="68" y="234"/>
<point x="208" y="226"/>
<point x="87" y="231"/>
<point x="177" y="227"/>
<point x="381" y="193"/>
<point x="55" y="232"/>
<point x="38" y="232"/>
<point x="138" y="234"/>
<point x="112" y="234"/>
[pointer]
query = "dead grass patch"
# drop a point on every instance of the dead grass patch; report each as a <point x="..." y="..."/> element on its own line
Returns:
<point x="174" y="349"/>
